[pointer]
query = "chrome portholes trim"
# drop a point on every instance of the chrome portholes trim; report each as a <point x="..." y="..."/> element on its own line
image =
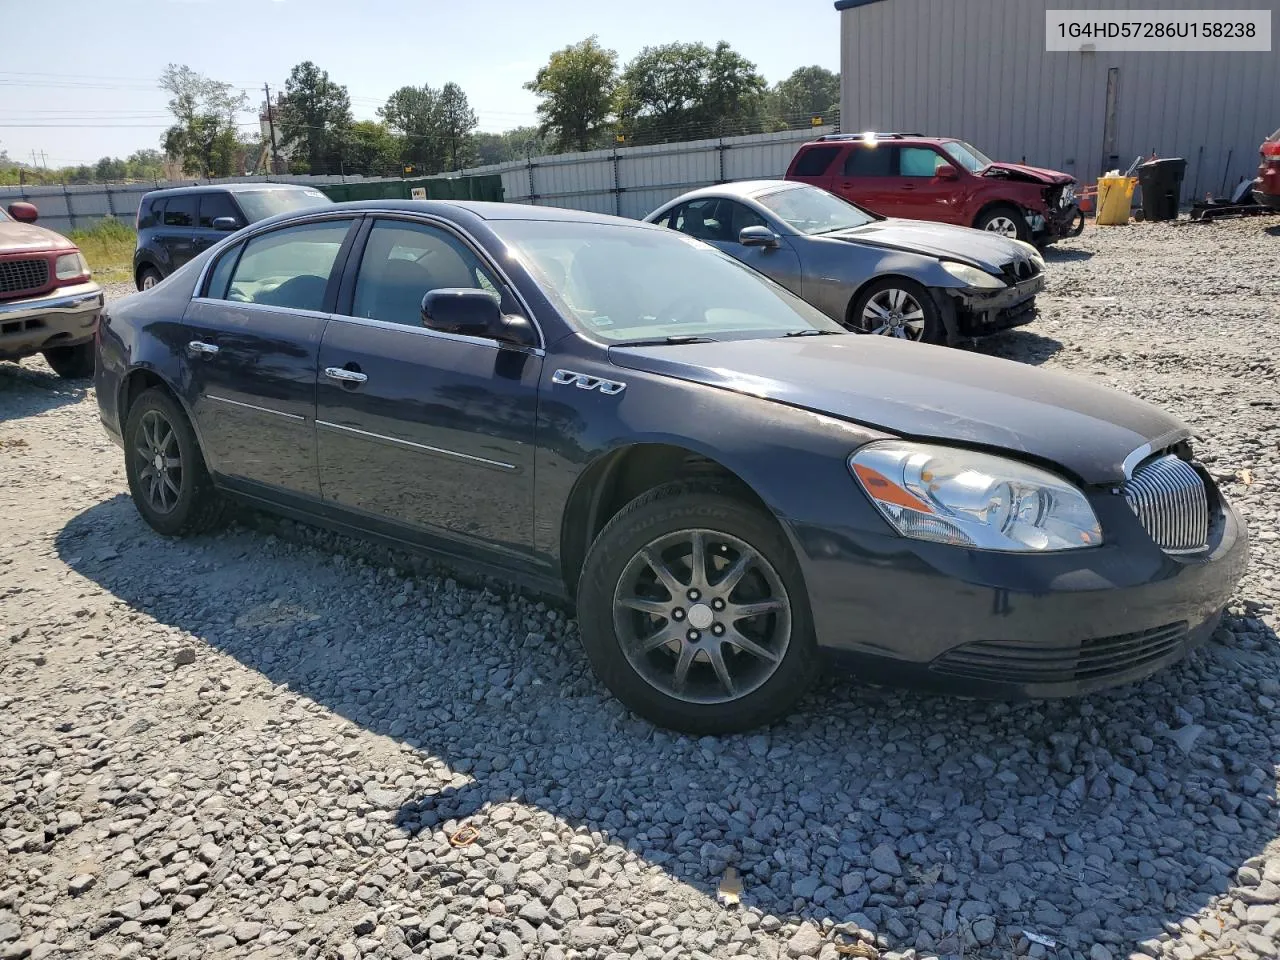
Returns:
<point x="416" y="446"/>
<point x="585" y="381"/>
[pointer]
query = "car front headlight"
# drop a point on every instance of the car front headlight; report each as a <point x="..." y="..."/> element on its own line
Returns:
<point x="972" y="276"/>
<point x="70" y="265"/>
<point x="970" y="499"/>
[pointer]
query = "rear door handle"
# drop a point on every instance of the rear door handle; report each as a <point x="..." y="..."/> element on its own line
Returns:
<point x="346" y="376"/>
<point x="199" y="348"/>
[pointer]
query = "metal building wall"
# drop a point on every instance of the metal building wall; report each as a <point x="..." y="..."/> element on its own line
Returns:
<point x="978" y="69"/>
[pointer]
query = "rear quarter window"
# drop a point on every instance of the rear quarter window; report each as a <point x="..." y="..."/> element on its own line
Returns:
<point x="814" y="161"/>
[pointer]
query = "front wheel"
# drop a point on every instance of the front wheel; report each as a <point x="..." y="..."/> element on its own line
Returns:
<point x="1007" y="221"/>
<point x="896" y="307"/>
<point x="168" y="480"/>
<point x="148" y="277"/>
<point x="694" y="613"/>
<point x="71" y="363"/>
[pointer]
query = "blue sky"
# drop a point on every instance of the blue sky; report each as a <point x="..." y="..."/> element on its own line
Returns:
<point x="90" y="86"/>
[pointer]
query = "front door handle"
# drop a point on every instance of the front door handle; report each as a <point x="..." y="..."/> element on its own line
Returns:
<point x="908" y="186"/>
<point x="346" y="376"/>
<point x="199" y="348"/>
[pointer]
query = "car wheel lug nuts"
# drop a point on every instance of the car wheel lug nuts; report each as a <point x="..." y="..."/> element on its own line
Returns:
<point x="693" y="594"/>
<point x="677" y="614"/>
<point x="718" y="630"/>
<point x="694" y="634"/>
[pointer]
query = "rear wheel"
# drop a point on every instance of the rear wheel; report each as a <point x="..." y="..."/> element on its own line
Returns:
<point x="71" y="363"/>
<point x="1007" y="221"/>
<point x="148" y="277"/>
<point x="694" y="614"/>
<point x="896" y="307"/>
<point x="168" y="480"/>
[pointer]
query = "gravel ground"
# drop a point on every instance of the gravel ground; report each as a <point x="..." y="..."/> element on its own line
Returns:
<point x="265" y="742"/>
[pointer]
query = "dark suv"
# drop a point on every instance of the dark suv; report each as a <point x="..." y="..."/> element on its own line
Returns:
<point x="909" y="176"/>
<point x="178" y="224"/>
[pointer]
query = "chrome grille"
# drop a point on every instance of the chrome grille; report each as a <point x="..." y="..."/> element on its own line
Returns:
<point x="1170" y="501"/>
<point x="19" y="275"/>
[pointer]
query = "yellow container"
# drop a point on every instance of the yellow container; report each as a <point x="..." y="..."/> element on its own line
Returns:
<point x="1115" y="195"/>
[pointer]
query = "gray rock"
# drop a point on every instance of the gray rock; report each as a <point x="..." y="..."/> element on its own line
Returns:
<point x="246" y="930"/>
<point x="80" y="884"/>
<point x="805" y="942"/>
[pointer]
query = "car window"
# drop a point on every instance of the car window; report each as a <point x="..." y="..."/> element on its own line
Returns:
<point x="149" y="213"/>
<point x="812" y="211"/>
<point x="740" y="216"/>
<point x="220" y="275"/>
<point x="918" y="162"/>
<point x="705" y="220"/>
<point x="624" y="284"/>
<point x="403" y="262"/>
<point x="215" y="205"/>
<point x="180" y="211"/>
<point x="261" y="204"/>
<point x="869" y="162"/>
<point x="814" y="161"/>
<point x="289" y="267"/>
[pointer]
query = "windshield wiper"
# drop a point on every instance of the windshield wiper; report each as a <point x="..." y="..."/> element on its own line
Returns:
<point x="812" y="333"/>
<point x="663" y="341"/>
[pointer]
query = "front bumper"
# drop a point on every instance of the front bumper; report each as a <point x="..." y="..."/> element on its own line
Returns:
<point x="1058" y="223"/>
<point x="1269" y="200"/>
<point x="1016" y="626"/>
<point x="63" y="318"/>
<point x="979" y="312"/>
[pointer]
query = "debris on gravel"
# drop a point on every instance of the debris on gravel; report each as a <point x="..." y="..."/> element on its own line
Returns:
<point x="274" y="742"/>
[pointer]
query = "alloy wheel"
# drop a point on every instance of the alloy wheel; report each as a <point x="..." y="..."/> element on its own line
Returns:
<point x="894" y="313"/>
<point x="702" y="616"/>
<point x="160" y="462"/>
<point x="1003" y="226"/>
<point x="148" y="281"/>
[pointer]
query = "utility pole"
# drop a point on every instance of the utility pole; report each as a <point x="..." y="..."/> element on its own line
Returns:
<point x="271" y="125"/>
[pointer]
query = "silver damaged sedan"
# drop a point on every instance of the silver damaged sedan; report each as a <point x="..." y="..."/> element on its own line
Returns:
<point x="911" y="279"/>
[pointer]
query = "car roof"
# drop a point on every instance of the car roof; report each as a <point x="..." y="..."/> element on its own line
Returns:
<point x="483" y="210"/>
<point x="840" y="140"/>
<point x="229" y="188"/>
<point x="742" y="189"/>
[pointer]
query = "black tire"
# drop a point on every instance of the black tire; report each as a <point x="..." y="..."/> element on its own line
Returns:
<point x="195" y="505"/>
<point x="148" y="275"/>
<point x="933" y="330"/>
<point x="1005" y="212"/>
<point x="716" y="508"/>
<point x="71" y="363"/>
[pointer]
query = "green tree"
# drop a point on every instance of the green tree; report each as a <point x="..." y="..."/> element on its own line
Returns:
<point x="314" y="115"/>
<point x="110" y="168"/>
<point x="577" y="89"/>
<point x="680" y="91"/>
<point x="809" y="92"/>
<point x="372" y="149"/>
<point x="416" y="114"/>
<point x="457" y="123"/>
<point x="515" y="144"/>
<point x="145" y="165"/>
<point x="205" y="111"/>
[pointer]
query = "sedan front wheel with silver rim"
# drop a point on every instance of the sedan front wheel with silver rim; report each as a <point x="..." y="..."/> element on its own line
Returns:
<point x="693" y="611"/>
<point x="896" y="307"/>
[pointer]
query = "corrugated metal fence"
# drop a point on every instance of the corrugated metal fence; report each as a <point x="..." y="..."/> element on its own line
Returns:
<point x="628" y="181"/>
<point x="633" y="181"/>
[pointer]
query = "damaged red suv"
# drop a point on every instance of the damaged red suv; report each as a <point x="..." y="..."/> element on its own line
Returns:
<point x="1266" y="189"/>
<point x="938" y="178"/>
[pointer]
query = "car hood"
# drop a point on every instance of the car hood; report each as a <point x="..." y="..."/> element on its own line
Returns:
<point x="927" y="392"/>
<point x="981" y="248"/>
<point x="17" y="237"/>
<point x="1020" y="171"/>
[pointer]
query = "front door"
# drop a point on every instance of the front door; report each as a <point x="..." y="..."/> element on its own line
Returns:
<point x="780" y="263"/>
<point x="251" y="346"/>
<point x="421" y="429"/>
<point x="925" y="195"/>
<point x="213" y="206"/>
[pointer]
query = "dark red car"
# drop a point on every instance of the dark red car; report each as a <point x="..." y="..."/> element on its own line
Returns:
<point x="938" y="178"/>
<point x="1266" y="189"/>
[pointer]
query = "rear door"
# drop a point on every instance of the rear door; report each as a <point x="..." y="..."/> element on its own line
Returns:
<point x="868" y="176"/>
<point x="212" y="206"/>
<point x="175" y="234"/>
<point x="251" y="344"/>
<point x="423" y="430"/>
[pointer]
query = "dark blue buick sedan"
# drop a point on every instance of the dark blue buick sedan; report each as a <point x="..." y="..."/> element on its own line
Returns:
<point x="727" y="483"/>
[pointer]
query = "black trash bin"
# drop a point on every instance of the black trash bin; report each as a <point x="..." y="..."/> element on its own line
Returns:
<point x="1161" y="182"/>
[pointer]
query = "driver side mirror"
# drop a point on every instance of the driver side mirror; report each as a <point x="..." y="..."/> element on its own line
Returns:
<point x="758" y="236"/>
<point x="947" y="172"/>
<point x="226" y="224"/>
<point x="24" y="212"/>
<point x="474" y="313"/>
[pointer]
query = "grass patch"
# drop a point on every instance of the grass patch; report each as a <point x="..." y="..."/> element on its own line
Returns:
<point x="108" y="246"/>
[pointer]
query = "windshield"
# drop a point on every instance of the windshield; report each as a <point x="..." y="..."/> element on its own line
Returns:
<point x="260" y="204"/>
<point x="812" y="211"/>
<point x="628" y="284"/>
<point x="967" y="155"/>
